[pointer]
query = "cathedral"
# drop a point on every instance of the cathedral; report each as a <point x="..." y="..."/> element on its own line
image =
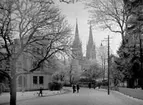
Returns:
<point x="78" y="58"/>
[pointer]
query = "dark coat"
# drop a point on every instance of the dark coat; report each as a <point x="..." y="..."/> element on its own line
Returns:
<point x="77" y="87"/>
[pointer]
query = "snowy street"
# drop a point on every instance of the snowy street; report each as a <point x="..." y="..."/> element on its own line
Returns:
<point x="84" y="97"/>
<point x="30" y="95"/>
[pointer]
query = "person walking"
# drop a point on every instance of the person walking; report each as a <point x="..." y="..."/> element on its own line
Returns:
<point x="41" y="91"/>
<point x="77" y="87"/>
<point x="89" y="85"/>
<point x="73" y="87"/>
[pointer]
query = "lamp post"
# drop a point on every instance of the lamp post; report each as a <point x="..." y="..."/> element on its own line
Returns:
<point x="108" y="39"/>
<point x="108" y="65"/>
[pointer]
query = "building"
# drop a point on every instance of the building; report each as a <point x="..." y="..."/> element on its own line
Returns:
<point x="83" y="61"/>
<point x="90" y="48"/>
<point x="77" y="49"/>
<point x="39" y="78"/>
<point x="36" y="79"/>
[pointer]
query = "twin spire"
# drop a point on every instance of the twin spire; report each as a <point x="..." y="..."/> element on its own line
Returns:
<point x="90" y="48"/>
<point x="77" y="42"/>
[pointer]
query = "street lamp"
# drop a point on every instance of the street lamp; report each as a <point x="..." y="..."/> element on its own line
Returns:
<point x="108" y="64"/>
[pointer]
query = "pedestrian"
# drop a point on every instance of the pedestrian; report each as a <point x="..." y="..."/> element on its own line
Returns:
<point x="77" y="87"/>
<point x="89" y="85"/>
<point x="73" y="87"/>
<point x="41" y="91"/>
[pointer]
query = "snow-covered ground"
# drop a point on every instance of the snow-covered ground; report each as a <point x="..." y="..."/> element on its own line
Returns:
<point x="5" y="97"/>
<point x="85" y="97"/>
<point x="136" y="93"/>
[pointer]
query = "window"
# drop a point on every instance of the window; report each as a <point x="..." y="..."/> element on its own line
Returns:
<point x="41" y="79"/>
<point x="35" y="80"/>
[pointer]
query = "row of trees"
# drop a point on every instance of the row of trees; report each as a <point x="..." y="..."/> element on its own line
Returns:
<point x="123" y="17"/>
<point x="34" y="23"/>
<point x="130" y="52"/>
<point x="70" y="74"/>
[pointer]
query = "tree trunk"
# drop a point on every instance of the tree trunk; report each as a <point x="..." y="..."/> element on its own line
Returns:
<point x="13" y="92"/>
<point x="13" y="81"/>
<point x="70" y="78"/>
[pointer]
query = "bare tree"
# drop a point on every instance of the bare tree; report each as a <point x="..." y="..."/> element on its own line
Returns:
<point x="116" y="76"/>
<point x="59" y="76"/>
<point x="93" y="72"/>
<point x="73" y="72"/>
<point x="109" y="14"/>
<point x="35" y="24"/>
<point x="60" y="73"/>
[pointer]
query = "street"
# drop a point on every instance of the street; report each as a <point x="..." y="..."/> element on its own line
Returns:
<point x="84" y="97"/>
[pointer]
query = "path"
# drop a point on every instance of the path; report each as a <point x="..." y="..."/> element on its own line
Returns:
<point x="85" y="97"/>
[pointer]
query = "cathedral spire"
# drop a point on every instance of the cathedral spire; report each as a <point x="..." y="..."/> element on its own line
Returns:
<point x="77" y="45"/>
<point x="90" y="48"/>
<point x="76" y="29"/>
<point x="77" y="41"/>
<point x="90" y="40"/>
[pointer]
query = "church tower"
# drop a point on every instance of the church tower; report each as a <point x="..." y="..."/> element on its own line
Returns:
<point x="77" y="46"/>
<point x="90" y="48"/>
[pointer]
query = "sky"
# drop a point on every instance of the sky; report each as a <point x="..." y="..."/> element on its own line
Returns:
<point x="78" y="11"/>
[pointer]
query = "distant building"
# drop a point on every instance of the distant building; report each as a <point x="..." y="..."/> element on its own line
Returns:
<point x="90" y="48"/>
<point x="30" y="81"/>
<point x="83" y="61"/>
<point x="39" y="78"/>
<point x="77" y="49"/>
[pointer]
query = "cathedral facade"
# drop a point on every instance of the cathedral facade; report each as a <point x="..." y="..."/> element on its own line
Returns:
<point x="83" y="61"/>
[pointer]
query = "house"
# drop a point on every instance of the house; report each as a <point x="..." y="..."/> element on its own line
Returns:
<point x="27" y="61"/>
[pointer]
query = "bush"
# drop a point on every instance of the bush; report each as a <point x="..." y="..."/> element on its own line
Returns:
<point x="67" y="85"/>
<point x="55" y="86"/>
<point x="104" y="83"/>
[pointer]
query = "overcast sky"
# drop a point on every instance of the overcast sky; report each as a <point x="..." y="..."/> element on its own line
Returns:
<point x="77" y="10"/>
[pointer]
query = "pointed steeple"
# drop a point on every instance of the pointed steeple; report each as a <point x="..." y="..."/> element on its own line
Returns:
<point x="77" y="45"/>
<point x="76" y="30"/>
<point x="76" y="41"/>
<point x="90" y="48"/>
<point x="90" y="40"/>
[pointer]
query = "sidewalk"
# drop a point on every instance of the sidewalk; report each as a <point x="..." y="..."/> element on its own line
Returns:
<point x="5" y="97"/>
<point x="133" y="94"/>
